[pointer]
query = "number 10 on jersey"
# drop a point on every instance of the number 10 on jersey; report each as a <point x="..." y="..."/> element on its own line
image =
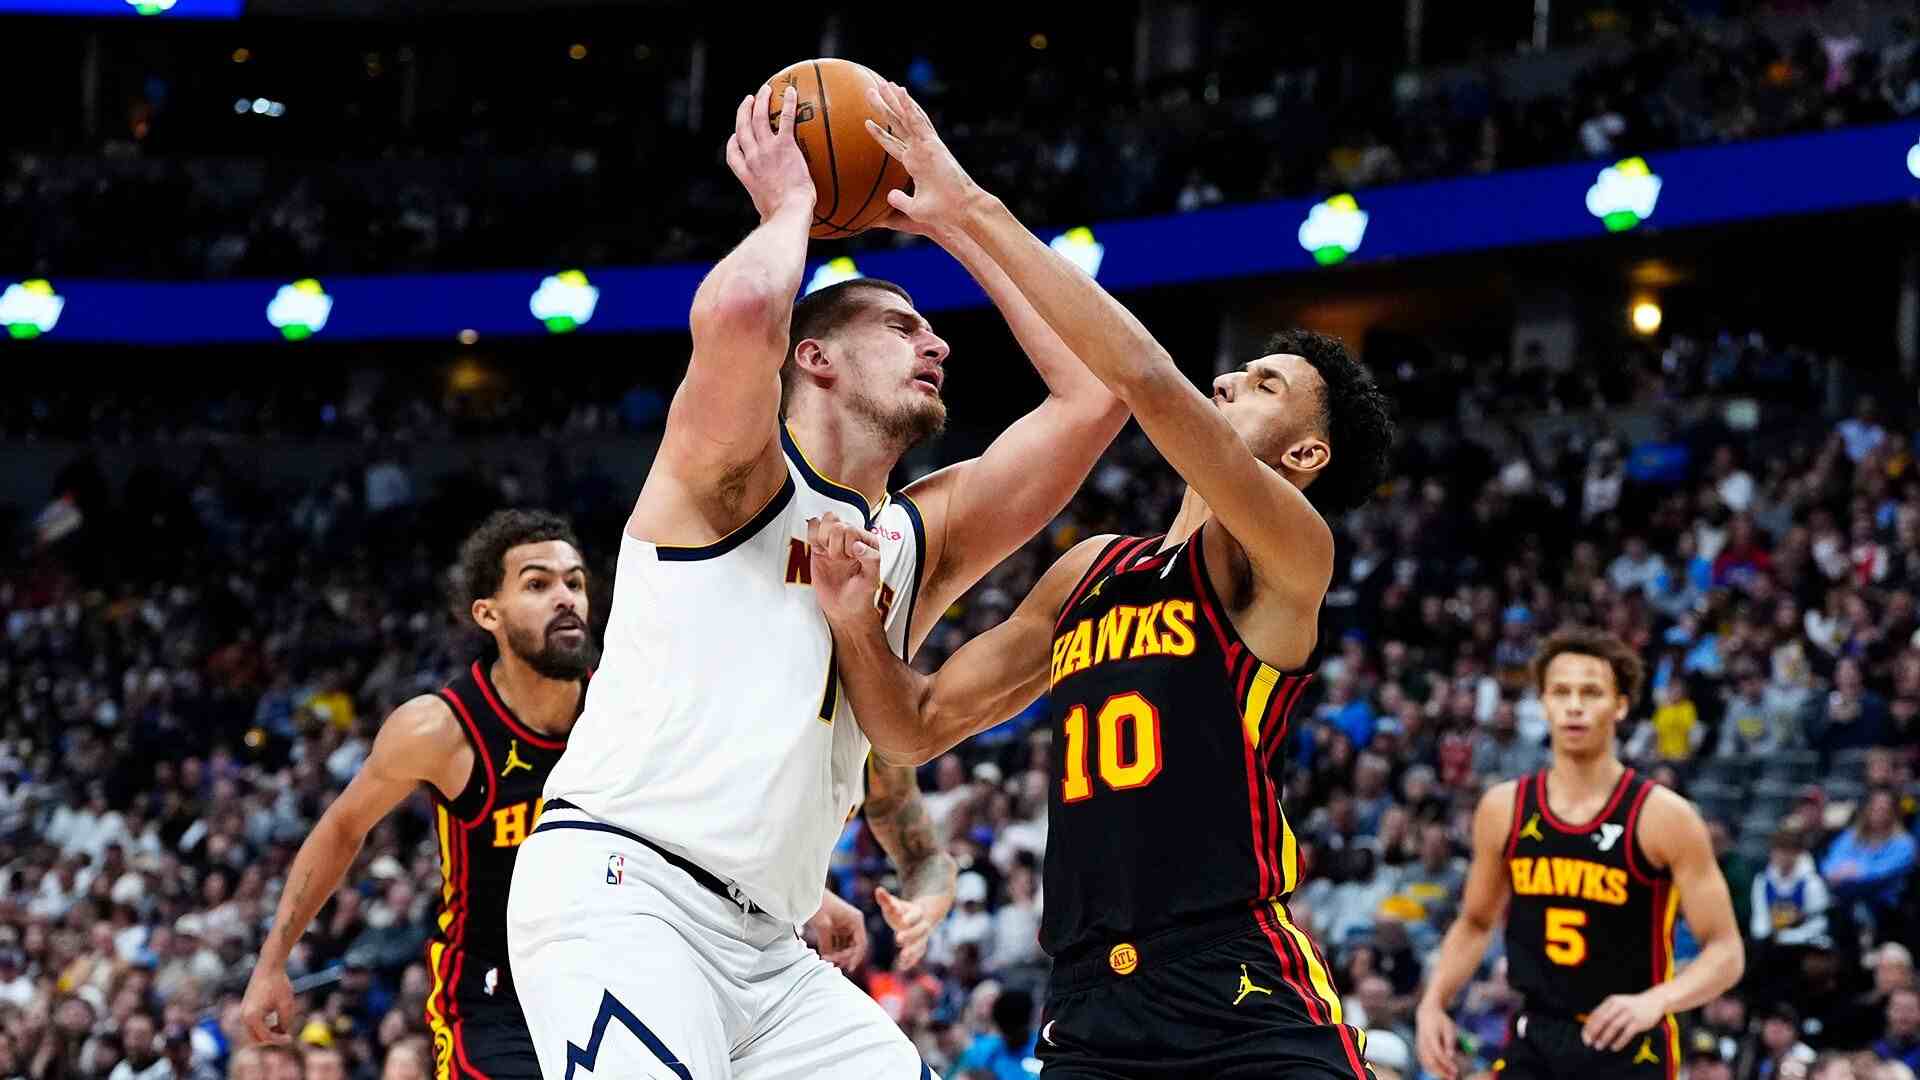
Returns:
<point x="1126" y="737"/>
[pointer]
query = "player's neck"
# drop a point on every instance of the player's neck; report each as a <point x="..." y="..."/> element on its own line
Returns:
<point x="1584" y="775"/>
<point x="1194" y="513"/>
<point x="845" y="451"/>
<point x="548" y="706"/>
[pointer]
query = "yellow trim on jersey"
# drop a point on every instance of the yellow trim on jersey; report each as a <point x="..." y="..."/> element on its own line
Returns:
<point x="436" y="1014"/>
<point x="873" y="510"/>
<point x="443" y="825"/>
<point x="1316" y="971"/>
<point x="1259" y="695"/>
<point x="1289" y="855"/>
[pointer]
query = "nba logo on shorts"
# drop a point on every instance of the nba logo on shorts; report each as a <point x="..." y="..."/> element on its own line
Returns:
<point x="616" y="869"/>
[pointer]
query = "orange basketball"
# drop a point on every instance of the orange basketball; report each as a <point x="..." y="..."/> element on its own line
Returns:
<point x="851" y="173"/>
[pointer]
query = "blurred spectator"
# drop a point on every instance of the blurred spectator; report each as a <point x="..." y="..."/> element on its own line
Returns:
<point x="1870" y="863"/>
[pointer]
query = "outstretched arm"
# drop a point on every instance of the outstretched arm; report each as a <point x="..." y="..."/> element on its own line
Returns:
<point x="898" y="818"/>
<point x="980" y="511"/>
<point x="1285" y="538"/>
<point x="1675" y="836"/>
<point x="1466" y="941"/>
<point x="912" y="718"/>
<point x="420" y="741"/>
<point x="719" y="454"/>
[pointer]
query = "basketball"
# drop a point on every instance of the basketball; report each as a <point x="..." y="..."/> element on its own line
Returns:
<point x="851" y="173"/>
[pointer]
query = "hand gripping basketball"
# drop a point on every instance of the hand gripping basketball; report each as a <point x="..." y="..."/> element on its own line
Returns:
<point x="768" y="161"/>
<point x="846" y="568"/>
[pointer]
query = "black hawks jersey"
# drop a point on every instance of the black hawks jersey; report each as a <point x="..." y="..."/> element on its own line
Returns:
<point x="1590" y="916"/>
<point x="1165" y="805"/>
<point x="479" y="832"/>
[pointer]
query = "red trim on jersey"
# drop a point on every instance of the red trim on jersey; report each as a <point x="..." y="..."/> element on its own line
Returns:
<point x="1240" y="684"/>
<point x="1271" y="792"/>
<point x="1519" y="815"/>
<point x="1546" y="805"/>
<point x="1253" y="816"/>
<point x="1659" y="932"/>
<point x="1291" y="965"/>
<point x="1203" y="592"/>
<point x="1672" y="1028"/>
<point x="480" y="748"/>
<point x="1353" y="1058"/>
<point x="1296" y="686"/>
<point x="1098" y="568"/>
<point x="1633" y="836"/>
<point x="458" y="948"/>
<point x="544" y="742"/>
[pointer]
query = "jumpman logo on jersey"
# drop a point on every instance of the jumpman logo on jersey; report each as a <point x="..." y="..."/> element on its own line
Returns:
<point x="1608" y="834"/>
<point x="514" y="760"/>
<point x="1646" y="1056"/>
<point x="1532" y="829"/>
<point x="1247" y="986"/>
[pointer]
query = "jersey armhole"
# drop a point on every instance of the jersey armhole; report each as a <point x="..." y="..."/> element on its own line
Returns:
<point x="920" y="570"/>
<point x="1101" y="563"/>
<point x="1519" y="815"/>
<point x="1638" y="864"/>
<point x="479" y="789"/>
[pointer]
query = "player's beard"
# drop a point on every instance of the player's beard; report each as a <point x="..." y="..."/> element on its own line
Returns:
<point x="903" y="425"/>
<point x="549" y="657"/>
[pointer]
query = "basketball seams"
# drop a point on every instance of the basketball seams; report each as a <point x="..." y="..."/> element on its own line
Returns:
<point x="826" y="125"/>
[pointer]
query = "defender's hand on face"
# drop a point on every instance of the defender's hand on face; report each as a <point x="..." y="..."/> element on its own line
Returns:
<point x="768" y="162"/>
<point x="846" y="568"/>
<point x="941" y="188"/>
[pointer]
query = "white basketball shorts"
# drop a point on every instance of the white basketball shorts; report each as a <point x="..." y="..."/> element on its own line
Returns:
<point x="628" y="968"/>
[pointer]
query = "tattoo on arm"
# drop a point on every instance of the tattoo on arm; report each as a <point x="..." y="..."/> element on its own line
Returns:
<point x="900" y="823"/>
<point x="290" y="933"/>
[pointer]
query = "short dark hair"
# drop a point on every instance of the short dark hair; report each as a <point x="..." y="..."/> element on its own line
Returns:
<point x="820" y="313"/>
<point x="1356" y="417"/>
<point x="1629" y="672"/>
<point x="483" y="555"/>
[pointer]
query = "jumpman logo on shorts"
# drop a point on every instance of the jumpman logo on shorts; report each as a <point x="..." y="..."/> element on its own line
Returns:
<point x="1646" y="1056"/>
<point x="1247" y="986"/>
<point x="514" y="760"/>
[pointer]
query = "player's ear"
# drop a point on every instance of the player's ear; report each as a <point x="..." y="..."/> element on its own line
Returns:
<point x="1307" y="456"/>
<point x="810" y="356"/>
<point x="485" y="615"/>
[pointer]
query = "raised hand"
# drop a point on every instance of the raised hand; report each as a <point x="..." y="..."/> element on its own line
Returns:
<point x="942" y="190"/>
<point x="768" y="161"/>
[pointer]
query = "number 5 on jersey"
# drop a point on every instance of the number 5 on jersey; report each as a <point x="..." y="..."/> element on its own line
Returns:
<point x="1127" y="736"/>
<point x="1566" y="945"/>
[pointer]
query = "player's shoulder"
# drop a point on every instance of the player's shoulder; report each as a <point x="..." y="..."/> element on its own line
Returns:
<point x="425" y="719"/>
<point x="1665" y="809"/>
<point x="1079" y="559"/>
<point x="1493" y="816"/>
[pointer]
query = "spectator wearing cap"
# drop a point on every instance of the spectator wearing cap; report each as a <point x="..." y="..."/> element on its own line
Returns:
<point x="1704" y="1060"/>
<point x="969" y="923"/>
<point x="1901" y="1041"/>
<point x="1869" y="864"/>
<point x="1389" y="1054"/>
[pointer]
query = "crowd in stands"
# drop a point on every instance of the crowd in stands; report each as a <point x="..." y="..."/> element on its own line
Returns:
<point x="194" y="667"/>
<point x="621" y="174"/>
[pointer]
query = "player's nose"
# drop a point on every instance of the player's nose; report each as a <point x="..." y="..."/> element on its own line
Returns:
<point x="1223" y="386"/>
<point x="935" y="349"/>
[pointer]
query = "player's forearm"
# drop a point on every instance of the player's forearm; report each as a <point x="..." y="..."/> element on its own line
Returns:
<point x="1066" y="377"/>
<point x="1719" y="966"/>
<point x="899" y="820"/>
<point x="316" y="872"/>
<point x="887" y="696"/>
<point x="1460" y="954"/>
<point x="752" y="289"/>
<point x="1094" y="327"/>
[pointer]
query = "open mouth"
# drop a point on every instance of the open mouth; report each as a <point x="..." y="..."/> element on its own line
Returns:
<point x="568" y="627"/>
<point x="929" y="379"/>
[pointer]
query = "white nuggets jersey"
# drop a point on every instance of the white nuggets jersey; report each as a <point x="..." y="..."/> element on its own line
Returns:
<point x="715" y="725"/>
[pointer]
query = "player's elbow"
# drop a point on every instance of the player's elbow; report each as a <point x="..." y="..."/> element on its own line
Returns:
<point x="743" y="303"/>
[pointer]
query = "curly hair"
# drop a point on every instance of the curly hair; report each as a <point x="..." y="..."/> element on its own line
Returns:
<point x="1355" y="416"/>
<point x="1629" y="671"/>
<point x="483" y="554"/>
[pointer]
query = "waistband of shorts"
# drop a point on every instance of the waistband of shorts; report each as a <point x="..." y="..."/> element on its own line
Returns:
<point x="1103" y="961"/>
<point x="707" y="880"/>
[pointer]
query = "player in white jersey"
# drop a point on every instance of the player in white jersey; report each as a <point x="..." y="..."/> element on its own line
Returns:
<point x="688" y="827"/>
